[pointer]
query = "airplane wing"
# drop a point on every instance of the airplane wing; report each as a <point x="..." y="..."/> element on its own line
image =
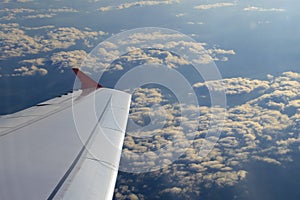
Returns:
<point x="46" y="154"/>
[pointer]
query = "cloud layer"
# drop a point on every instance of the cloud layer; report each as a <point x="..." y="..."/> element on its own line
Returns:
<point x="264" y="129"/>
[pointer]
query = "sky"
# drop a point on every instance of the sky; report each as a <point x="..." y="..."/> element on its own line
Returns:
<point x="253" y="45"/>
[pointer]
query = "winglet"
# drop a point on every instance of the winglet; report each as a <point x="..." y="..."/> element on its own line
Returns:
<point x="87" y="84"/>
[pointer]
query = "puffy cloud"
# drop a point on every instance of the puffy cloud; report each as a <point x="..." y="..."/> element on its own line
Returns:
<point x="292" y="75"/>
<point x="216" y="5"/>
<point x="106" y="8"/>
<point x="285" y="90"/>
<point x="174" y="191"/>
<point x="29" y="71"/>
<point x="234" y="85"/>
<point x="72" y="59"/>
<point x="155" y="56"/>
<point x="266" y="159"/>
<point x="36" y="62"/>
<point x="15" y="42"/>
<point x="215" y="53"/>
<point x="68" y="36"/>
<point x="60" y="60"/>
<point x="165" y="49"/>
<point x="221" y="51"/>
<point x="259" y="9"/>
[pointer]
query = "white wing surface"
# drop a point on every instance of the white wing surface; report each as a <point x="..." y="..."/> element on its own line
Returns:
<point x="46" y="154"/>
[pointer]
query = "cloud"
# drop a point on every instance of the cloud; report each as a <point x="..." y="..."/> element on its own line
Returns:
<point x="221" y="51"/>
<point x="161" y="44"/>
<point x="20" y="1"/>
<point x="36" y="62"/>
<point x="216" y="5"/>
<point x="40" y="16"/>
<point x="195" y="23"/>
<point x="106" y="8"/>
<point x="71" y="59"/>
<point x="65" y="37"/>
<point x="172" y="192"/>
<point x="25" y="13"/>
<point x="253" y="132"/>
<point x="234" y="86"/>
<point x="266" y="159"/>
<point x="63" y="10"/>
<point x="59" y="60"/>
<point x="17" y="10"/>
<point x="180" y="15"/>
<point x="259" y="9"/>
<point x="29" y="71"/>
<point x="137" y="4"/>
<point x="215" y="53"/>
<point x="38" y="27"/>
<point x="154" y="56"/>
<point x="16" y="42"/>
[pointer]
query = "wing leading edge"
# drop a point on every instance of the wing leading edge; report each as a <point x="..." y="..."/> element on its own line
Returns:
<point x="54" y="157"/>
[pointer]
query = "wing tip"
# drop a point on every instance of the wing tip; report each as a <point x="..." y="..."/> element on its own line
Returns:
<point x="87" y="83"/>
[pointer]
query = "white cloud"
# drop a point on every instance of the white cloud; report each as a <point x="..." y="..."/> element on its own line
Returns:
<point x="159" y="42"/>
<point x="62" y="10"/>
<point x="38" y="27"/>
<point x="71" y="59"/>
<point x="180" y="14"/>
<point x="40" y="16"/>
<point x="216" y="5"/>
<point x="234" y="86"/>
<point x="106" y="8"/>
<point x="137" y="4"/>
<point x="29" y="71"/>
<point x="260" y="9"/>
<point x="25" y="13"/>
<point x="268" y="160"/>
<point x="195" y="23"/>
<point x="35" y="62"/>
<point x="16" y="42"/>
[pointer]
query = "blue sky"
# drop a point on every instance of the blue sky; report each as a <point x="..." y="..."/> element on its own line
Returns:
<point x="262" y="35"/>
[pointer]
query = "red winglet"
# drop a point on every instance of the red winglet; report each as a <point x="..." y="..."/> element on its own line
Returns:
<point x="87" y="84"/>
